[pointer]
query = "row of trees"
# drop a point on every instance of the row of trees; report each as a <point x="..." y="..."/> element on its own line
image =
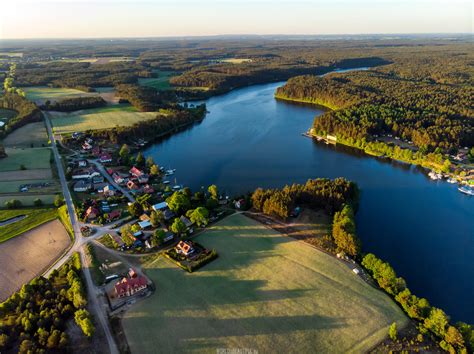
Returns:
<point x="455" y="339"/>
<point x="34" y="318"/>
<point x="74" y="104"/>
<point x="322" y="193"/>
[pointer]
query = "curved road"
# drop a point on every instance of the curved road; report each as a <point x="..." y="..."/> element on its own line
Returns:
<point x="79" y="241"/>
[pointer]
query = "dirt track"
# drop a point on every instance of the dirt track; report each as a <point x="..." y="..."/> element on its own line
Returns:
<point x="28" y="255"/>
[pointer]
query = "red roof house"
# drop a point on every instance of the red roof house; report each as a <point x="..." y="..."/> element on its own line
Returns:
<point x="105" y="157"/>
<point x="132" y="185"/>
<point x="184" y="247"/>
<point x="92" y="213"/>
<point x="130" y="286"/>
<point x="136" y="172"/>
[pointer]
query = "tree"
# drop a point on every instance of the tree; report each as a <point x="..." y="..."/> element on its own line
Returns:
<point x="392" y="331"/>
<point x="37" y="202"/>
<point x="158" y="237"/>
<point x="178" y="227"/>
<point x="454" y="337"/>
<point x="149" y="161"/>
<point x="53" y="339"/>
<point x="135" y="228"/>
<point x="436" y="322"/>
<point x="58" y="201"/>
<point x="135" y="209"/>
<point x="213" y="191"/>
<point x="198" y="216"/>
<point x="27" y="346"/>
<point x="126" y="233"/>
<point x="156" y="218"/>
<point x="124" y="153"/>
<point x="343" y="231"/>
<point x="154" y="170"/>
<point x="3" y="341"/>
<point x="83" y="320"/>
<point x="178" y="202"/>
<point x="140" y="160"/>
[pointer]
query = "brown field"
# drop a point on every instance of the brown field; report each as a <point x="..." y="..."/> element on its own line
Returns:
<point x="310" y="224"/>
<point x="27" y="256"/>
<point x="32" y="133"/>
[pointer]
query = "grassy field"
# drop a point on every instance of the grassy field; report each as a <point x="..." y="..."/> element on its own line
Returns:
<point x="98" y="118"/>
<point x="162" y="82"/>
<point x="37" y="158"/>
<point x="40" y="94"/>
<point x="30" y="135"/>
<point x="266" y="292"/>
<point x="14" y="186"/>
<point x="25" y="257"/>
<point x="27" y="199"/>
<point x="34" y="218"/>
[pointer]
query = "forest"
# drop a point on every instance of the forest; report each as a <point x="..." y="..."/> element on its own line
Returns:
<point x="35" y="318"/>
<point x="27" y="111"/>
<point x="74" y="104"/>
<point x="433" y="109"/>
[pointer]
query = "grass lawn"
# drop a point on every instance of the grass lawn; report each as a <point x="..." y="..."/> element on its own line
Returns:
<point x="266" y="292"/>
<point x="98" y="118"/>
<point x="34" y="218"/>
<point x="37" y="158"/>
<point x="30" y="135"/>
<point x="162" y="82"/>
<point x="40" y="94"/>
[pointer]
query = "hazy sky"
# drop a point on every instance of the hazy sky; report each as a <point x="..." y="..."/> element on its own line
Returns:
<point x="109" y="18"/>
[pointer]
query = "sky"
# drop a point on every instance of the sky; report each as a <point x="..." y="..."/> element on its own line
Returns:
<point x="156" y="18"/>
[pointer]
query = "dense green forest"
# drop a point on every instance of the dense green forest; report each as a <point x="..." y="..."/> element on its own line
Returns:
<point x="74" y="104"/>
<point x="27" y="111"/>
<point x="35" y="318"/>
<point x="426" y="99"/>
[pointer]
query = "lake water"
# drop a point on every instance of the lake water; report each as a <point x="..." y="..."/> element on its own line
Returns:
<point x="425" y="229"/>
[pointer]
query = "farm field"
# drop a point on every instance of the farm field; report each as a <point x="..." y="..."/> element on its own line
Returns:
<point x="98" y="118"/>
<point x="30" y="135"/>
<point x="40" y="94"/>
<point x="34" y="217"/>
<point x="34" y="185"/>
<point x="25" y="257"/>
<point x="266" y="291"/>
<point x="162" y="82"/>
<point x="37" y="158"/>
<point x="27" y="199"/>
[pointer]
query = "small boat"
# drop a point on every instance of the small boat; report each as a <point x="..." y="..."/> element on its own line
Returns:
<point x="451" y="180"/>
<point x="170" y="172"/>
<point x="466" y="190"/>
<point x="166" y="182"/>
<point x="177" y="187"/>
<point x="434" y="176"/>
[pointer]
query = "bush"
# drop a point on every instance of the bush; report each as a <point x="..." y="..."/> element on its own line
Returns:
<point x="392" y="331"/>
<point x="38" y="202"/>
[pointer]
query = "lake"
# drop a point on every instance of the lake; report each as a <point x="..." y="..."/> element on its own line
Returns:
<point x="425" y="229"/>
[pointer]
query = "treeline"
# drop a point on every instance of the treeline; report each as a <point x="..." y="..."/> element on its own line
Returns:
<point x="80" y="75"/>
<point x="27" y="111"/>
<point x="74" y="104"/>
<point x="224" y="77"/>
<point x="35" y="318"/>
<point x="379" y="102"/>
<point x="455" y="339"/>
<point x="165" y="122"/>
<point x="320" y="193"/>
<point x="143" y="98"/>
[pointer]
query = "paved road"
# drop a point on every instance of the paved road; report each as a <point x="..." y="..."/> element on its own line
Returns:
<point x="109" y="178"/>
<point x="79" y="241"/>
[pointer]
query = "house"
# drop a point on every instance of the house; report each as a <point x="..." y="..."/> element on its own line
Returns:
<point x="168" y="236"/>
<point x="136" y="172"/>
<point x="148" y="189"/>
<point x="240" y="204"/>
<point x="168" y="214"/>
<point x="96" y="151"/>
<point x="143" y="178"/>
<point x="92" y="213"/>
<point x="184" y="247"/>
<point x="130" y="286"/>
<point x="98" y="179"/>
<point x="86" y="146"/>
<point x="82" y="186"/>
<point x="160" y="206"/>
<point x="144" y="217"/>
<point x="186" y="221"/>
<point x="118" y="178"/>
<point x="144" y="224"/>
<point x="109" y="190"/>
<point x="132" y="185"/>
<point x="82" y="163"/>
<point x="81" y="174"/>
<point x="115" y="214"/>
<point x="105" y="158"/>
<point x="99" y="187"/>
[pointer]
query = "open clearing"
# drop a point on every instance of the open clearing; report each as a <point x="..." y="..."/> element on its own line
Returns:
<point x="25" y="257"/>
<point x="37" y="158"/>
<point x="34" y="217"/>
<point x="98" y="118"/>
<point x="162" y="82"/>
<point x="266" y="292"/>
<point x="40" y="94"/>
<point x="30" y="135"/>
